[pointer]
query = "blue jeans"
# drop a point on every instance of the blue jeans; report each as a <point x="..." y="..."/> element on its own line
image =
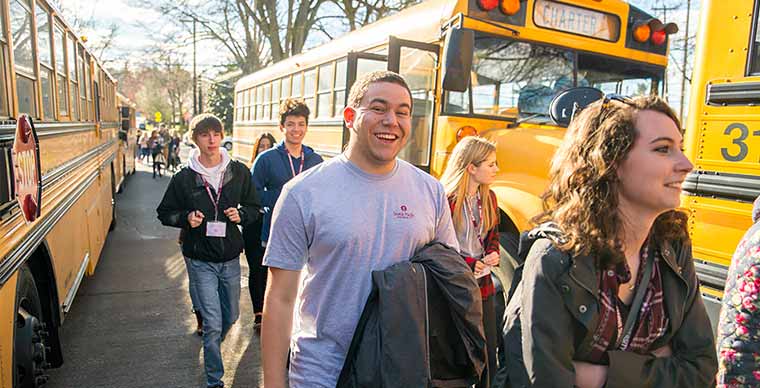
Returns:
<point x="191" y="285"/>
<point x="217" y="286"/>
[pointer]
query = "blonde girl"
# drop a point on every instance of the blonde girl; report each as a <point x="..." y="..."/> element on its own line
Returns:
<point x="467" y="179"/>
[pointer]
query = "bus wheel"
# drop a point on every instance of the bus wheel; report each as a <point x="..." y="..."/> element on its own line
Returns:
<point x="29" y="342"/>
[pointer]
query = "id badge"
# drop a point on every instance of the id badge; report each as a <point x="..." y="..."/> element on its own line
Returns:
<point x="216" y="229"/>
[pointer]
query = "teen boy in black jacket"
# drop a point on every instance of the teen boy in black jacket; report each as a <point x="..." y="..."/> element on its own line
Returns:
<point x="208" y="199"/>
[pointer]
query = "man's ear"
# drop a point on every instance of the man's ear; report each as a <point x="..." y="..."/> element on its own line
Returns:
<point x="349" y="114"/>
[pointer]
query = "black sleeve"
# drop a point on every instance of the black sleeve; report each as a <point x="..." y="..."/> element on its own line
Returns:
<point x="249" y="199"/>
<point x="173" y="209"/>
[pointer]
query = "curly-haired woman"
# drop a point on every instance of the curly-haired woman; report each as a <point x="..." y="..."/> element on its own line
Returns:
<point x="609" y="296"/>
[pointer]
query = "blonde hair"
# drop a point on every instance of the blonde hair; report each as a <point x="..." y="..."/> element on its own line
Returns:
<point x="455" y="179"/>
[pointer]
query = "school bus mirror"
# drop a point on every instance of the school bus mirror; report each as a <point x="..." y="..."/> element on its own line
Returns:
<point x="457" y="59"/>
<point x="565" y="104"/>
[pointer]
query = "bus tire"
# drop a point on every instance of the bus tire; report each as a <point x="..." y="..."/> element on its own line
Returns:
<point x="30" y="335"/>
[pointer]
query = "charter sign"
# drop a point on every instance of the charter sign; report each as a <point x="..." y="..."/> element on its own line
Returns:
<point x="26" y="168"/>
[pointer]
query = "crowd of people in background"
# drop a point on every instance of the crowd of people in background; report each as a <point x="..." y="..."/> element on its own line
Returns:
<point x="160" y="148"/>
<point x="605" y="293"/>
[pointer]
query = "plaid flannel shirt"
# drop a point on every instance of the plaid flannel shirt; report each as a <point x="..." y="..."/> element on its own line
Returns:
<point x="491" y="242"/>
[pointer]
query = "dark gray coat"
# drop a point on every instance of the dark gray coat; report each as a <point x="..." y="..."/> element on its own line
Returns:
<point x="421" y="326"/>
<point x="554" y="313"/>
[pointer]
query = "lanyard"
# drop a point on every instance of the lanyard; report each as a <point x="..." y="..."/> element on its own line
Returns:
<point x="292" y="169"/>
<point x="472" y="217"/>
<point x="215" y="202"/>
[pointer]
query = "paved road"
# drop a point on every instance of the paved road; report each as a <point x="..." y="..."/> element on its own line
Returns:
<point x="131" y="324"/>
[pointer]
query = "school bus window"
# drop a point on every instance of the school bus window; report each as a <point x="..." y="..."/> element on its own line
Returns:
<point x="45" y="55"/>
<point x="82" y="85"/>
<point x="275" y="98"/>
<point x="239" y="106"/>
<point x="21" y="31"/>
<point x="297" y="85"/>
<point x="511" y="78"/>
<point x="72" y="54"/>
<point x="88" y="86"/>
<point x="612" y="75"/>
<point x="309" y="87"/>
<point x="259" y="100"/>
<point x="265" y="102"/>
<point x="60" y="66"/>
<point x="419" y="68"/>
<point x="252" y="104"/>
<point x="324" y="91"/>
<point x="285" y="87"/>
<point x="754" y="59"/>
<point x="339" y="99"/>
<point x="368" y="66"/>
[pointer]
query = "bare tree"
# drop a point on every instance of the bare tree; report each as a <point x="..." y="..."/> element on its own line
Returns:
<point x="357" y="13"/>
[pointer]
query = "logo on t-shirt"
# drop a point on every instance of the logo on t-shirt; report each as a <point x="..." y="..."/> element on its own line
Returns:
<point x="404" y="213"/>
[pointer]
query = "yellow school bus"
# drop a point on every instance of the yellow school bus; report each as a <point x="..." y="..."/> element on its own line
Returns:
<point x="723" y="139"/>
<point x="59" y="126"/>
<point x="486" y="67"/>
<point x="125" y="160"/>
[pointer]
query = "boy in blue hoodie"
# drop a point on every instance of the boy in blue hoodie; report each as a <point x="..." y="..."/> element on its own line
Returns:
<point x="281" y="163"/>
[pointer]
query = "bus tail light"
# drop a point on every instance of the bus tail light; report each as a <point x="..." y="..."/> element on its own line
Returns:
<point x="658" y="37"/>
<point x="487" y="5"/>
<point x="510" y="7"/>
<point x="641" y="32"/>
<point x="466" y="131"/>
<point x="660" y="34"/>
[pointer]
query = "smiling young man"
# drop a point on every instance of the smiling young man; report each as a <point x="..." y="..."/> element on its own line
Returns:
<point x="362" y="211"/>
<point x="281" y="163"/>
<point x="208" y="199"/>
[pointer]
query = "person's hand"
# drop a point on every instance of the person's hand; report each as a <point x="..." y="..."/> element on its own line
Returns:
<point x="492" y="259"/>
<point x="195" y="218"/>
<point x="589" y="375"/>
<point x="233" y="214"/>
<point x="663" y="352"/>
<point x="480" y="266"/>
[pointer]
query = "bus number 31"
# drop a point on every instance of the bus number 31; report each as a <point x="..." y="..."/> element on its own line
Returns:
<point x="739" y="132"/>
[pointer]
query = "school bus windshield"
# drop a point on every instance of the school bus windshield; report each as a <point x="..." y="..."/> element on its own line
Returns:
<point x="517" y="79"/>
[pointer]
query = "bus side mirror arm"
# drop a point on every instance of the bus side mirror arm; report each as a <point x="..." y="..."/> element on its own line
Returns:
<point x="457" y="59"/>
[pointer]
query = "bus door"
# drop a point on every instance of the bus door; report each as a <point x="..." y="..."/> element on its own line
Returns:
<point x="358" y="65"/>
<point x="417" y="63"/>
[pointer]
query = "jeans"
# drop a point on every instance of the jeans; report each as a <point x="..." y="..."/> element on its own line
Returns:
<point x="192" y="286"/>
<point x="217" y="287"/>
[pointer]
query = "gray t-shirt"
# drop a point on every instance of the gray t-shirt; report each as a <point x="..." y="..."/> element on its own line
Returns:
<point x="339" y="224"/>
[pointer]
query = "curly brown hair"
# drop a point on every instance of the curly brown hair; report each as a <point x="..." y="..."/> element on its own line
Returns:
<point x="294" y="107"/>
<point x="582" y="197"/>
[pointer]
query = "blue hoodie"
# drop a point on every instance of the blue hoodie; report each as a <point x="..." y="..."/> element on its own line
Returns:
<point x="271" y="171"/>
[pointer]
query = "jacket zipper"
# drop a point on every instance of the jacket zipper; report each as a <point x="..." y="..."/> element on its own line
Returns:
<point x="427" y="326"/>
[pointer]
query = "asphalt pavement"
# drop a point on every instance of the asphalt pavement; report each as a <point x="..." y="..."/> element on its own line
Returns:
<point x="131" y="324"/>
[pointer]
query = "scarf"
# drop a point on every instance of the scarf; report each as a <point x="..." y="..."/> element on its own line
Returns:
<point x="651" y="322"/>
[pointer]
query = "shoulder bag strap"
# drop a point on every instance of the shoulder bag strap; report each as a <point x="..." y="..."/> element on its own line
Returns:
<point x="638" y="299"/>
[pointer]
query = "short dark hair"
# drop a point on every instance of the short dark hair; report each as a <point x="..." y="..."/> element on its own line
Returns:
<point x="205" y="122"/>
<point x="360" y="87"/>
<point x="294" y="107"/>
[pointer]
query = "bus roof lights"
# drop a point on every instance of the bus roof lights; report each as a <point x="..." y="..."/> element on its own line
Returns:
<point x="641" y="32"/>
<point x="658" y="37"/>
<point x="466" y="131"/>
<point x="510" y="7"/>
<point x="488" y="5"/>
